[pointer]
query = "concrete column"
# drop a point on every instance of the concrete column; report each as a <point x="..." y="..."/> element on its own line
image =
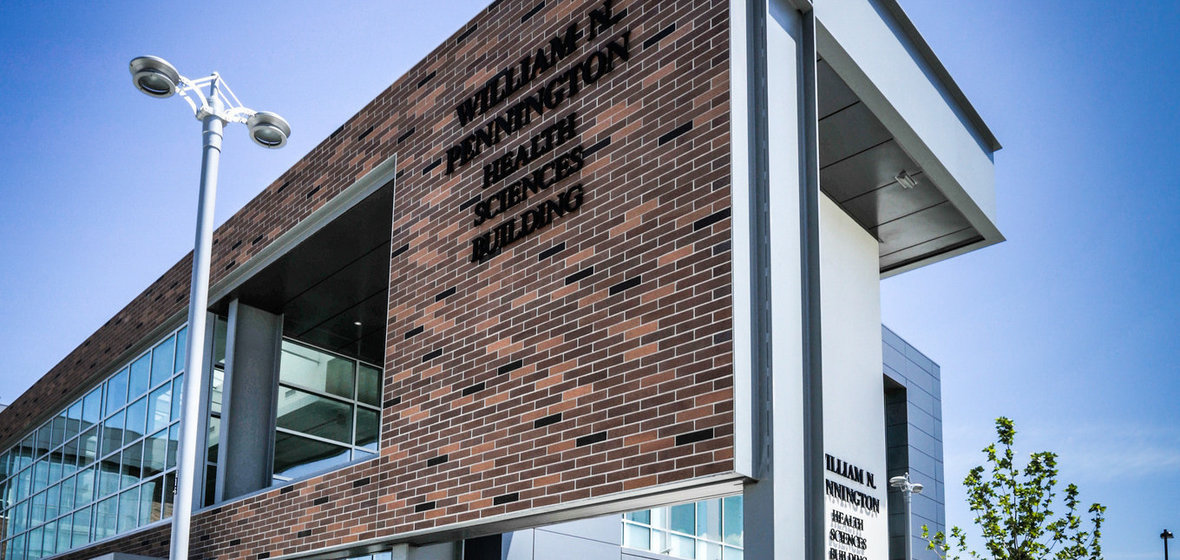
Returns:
<point x="249" y="400"/>
<point x="784" y="508"/>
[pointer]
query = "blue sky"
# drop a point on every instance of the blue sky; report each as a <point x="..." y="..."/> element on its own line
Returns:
<point x="1070" y="327"/>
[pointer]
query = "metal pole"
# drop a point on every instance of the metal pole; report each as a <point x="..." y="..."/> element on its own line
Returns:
<point x="182" y="508"/>
<point x="909" y="527"/>
<point x="1166" y="535"/>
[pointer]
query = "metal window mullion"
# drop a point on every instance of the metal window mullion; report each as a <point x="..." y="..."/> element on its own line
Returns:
<point x="315" y="392"/>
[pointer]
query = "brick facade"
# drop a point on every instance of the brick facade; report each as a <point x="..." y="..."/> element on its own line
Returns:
<point x="590" y="357"/>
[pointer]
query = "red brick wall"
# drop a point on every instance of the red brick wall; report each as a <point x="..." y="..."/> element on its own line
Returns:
<point x="589" y="358"/>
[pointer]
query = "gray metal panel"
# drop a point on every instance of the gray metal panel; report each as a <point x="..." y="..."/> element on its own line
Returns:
<point x="849" y="132"/>
<point x="555" y="545"/>
<point x="519" y="545"/>
<point x="893" y="201"/>
<point x="899" y="258"/>
<point x="867" y="171"/>
<point x="836" y="94"/>
<point x="606" y="529"/>
<point x="250" y="395"/>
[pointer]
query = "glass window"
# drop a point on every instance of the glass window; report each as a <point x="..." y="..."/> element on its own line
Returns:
<point x="108" y="475"/>
<point x="312" y="369"/>
<point x="67" y="493"/>
<point x="181" y="346"/>
<point x="136" y="421"/>
<point x="368" y="385"/>
<point x="368" y="425"/>
<point x="177" y="395"/>
<point x="212" y="439"/>
<point x="732" y="522"/>
<point x="35" y="550"/>
<point x="140" y="376"/>
<point x="148" y="498"/>
<point x="65" y="530"/>
<point x="84" y="490"/>
<point x="155" y="452"/>
<point x="706" y="530"/>
<point x="52" y="501"/>
<point x="159" y="408"/>
<point x="112" y="433"/>
<point x="49" y="544"/>
<point x="92" y="408"/>
<point x="88" y="446"/>
<point x="132" y="464"/>
<point x="314" y="415"/>
<point x="74" y="419"/>
<point x="43" y="436"/>
<point x="128" y="510"/>
<point x="105" y="520"/>
<point x="117" y="390"/>
<point x="162" y="361"/>
<point x="81" y="528"/>
<point x="297" y="456"/>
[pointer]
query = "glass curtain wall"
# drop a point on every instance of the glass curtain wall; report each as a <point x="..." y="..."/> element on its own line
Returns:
<point x="329" y="411"/>
<point x="102" y="466"/>
<point x="708" y="530"/>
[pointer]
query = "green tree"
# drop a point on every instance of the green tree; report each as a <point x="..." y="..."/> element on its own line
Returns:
<point x="1013" y="509"/>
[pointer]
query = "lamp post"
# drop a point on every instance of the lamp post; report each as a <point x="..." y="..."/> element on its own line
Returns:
<point x="1165" y="536"/>
<point x="908" y="489"/>
<point x="156" y="77"/>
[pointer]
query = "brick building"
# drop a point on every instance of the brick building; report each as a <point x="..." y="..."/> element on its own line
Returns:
<point x="586" y="257"/>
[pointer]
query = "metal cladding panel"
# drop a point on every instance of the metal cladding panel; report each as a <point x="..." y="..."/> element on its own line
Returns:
<point x="559" y="316"/>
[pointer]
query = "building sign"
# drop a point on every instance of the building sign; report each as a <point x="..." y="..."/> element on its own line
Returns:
<point x="548" y="97"/>
<point x="850" y="490"/>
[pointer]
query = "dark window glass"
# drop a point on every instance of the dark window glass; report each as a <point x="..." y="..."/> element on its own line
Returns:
<point x="213" y="438"/>
<point x="74" y="419"/>
<point x="210" y="484"/>
<point x="314" y="415"/>
<point x="52" y="501"/>
<point x="43" y="437"/>
<point x="297" y="456"/>
<point x="368" y="385"/>
<point x="67" y="493"/>
<point x="368" y="424"/>
<point x="169" y="490"/>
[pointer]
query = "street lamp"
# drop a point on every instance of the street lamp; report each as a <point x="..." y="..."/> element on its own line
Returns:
<point x="1165" y="536"/>
<point x="908" y="489"/>
<point x="156" y="77"/>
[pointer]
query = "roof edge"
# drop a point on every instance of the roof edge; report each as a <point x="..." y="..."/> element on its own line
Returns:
<point x="940" y="71"/>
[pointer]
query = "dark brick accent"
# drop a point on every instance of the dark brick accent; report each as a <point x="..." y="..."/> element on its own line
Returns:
<point x="551" y="251"/>
<point x="510" y="367"/>
<point x="414" y="332"/>
<point x="693" y="437"/>
<point x="405" y="135"/>
<point x="428" y="77"/>
<point x="424" y="506"/>
<point x="367" y="131"/>
<point x="444" y="294"/>
<point x="397" y="252"/>
<point x="473" y="389"/>
<point x="506" y="498"/>
<point x="591" y="439"/>
<point x="710" y="219"/>
<point x="584" y="273"/>
<point x="676" y="133"/>
<point x="360" y="482"/>
<point x="436" y="460"/>
<point x="625" y="285"/>
<point x="551" y="419"/>
<point x="431" y="356"/>
<point x="467" y="33"/>
<point x="532" y="12"/>
<point x="656" y="38"/>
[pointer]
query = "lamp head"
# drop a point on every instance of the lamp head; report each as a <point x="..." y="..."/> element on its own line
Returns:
<point x="154" y="76"/>
<point x="1166" y="534"/>
<point x="916" y="488"/>
<point x="268" y="129"/>
<point x="898" y="481"/>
